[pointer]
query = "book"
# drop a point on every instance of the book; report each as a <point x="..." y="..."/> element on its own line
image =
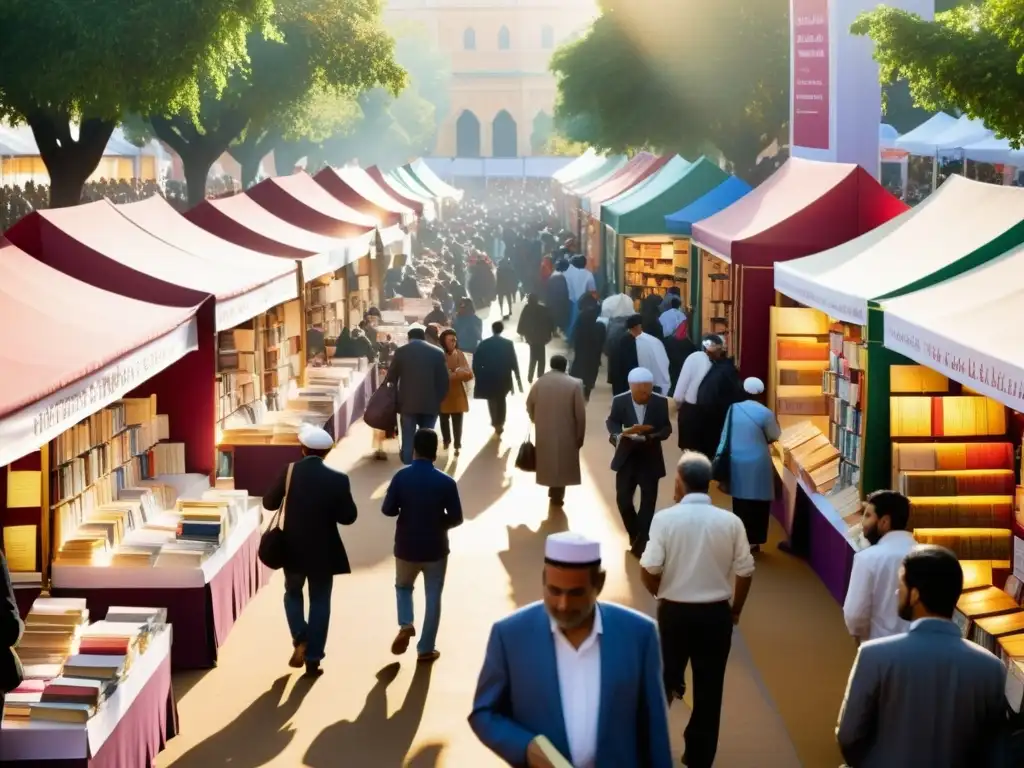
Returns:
<point x="60" y="712"/>
<point x="946" y="416"/>
<point x="556" y="758"/>
<point x="95" y="667"/>
<point x="72" y="690"/>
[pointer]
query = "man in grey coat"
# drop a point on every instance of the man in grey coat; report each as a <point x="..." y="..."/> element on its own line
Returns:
<point x="420" y="374"/>
<point x="927" y="697"/>
<point x="559" y="415"/>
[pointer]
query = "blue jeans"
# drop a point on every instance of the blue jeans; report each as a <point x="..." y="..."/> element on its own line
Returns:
<point x="433" y="584"/>
<point x="313" y="632"/>
<point x="410" y="423"/>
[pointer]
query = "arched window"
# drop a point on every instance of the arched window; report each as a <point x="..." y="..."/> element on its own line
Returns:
<point x="504" y="135"/>
<point x="467" y="135"/>
<point x="547" y="37"/>
<point x="504" y="39"/>
<point x="469" y="39"/>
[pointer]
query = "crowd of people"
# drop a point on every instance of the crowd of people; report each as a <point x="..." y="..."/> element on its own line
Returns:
<point x="18" y="200"/>
<point x="918" y="693"/>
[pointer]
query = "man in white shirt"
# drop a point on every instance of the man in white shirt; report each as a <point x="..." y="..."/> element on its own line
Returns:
<point x="572" y="677"/>
<point x="579" y="280"/>
<point x="672" y="318"/>
<point x="871" y="603"/>
<point x="650" y="354"/>
<point x="698" y="564"/>
<point x="695" y="368"/>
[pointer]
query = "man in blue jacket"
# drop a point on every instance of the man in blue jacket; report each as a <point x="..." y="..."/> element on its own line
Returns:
<point x="427" y="505"/>
<point x="573" y="676"/>
<point x="494" y="365"/>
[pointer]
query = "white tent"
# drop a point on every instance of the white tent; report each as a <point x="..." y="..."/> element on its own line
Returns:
<point x="887" y="136"/>
<point x="966" y="131"/>
<point x="921" y="140"/>
<point x="993" y="150"/>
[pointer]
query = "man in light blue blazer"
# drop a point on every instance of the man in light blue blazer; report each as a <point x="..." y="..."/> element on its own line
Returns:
<point x="574" y="674"/>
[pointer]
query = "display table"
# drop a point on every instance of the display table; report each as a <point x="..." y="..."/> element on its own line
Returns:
<point x="258" y="467"/>
<point x="202" y="603"/>
<point x="128" y="730"/>
<point x="816" y="532"/>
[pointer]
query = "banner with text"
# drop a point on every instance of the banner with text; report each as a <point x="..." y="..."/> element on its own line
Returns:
<point x="810" y="49"/>
<point x="997" y="378"/>
<point x="232" y="312"/>
<point x="33" y="426"/>
<point x="841" y="306"/>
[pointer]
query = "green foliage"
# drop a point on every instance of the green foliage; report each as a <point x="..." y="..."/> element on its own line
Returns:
<point x="970" y="58"/>
<point x="667" y="75"/>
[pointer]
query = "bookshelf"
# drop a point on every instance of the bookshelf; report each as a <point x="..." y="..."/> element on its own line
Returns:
<point x="798" y="355"/>
<point x="653" y="265"/>
<point x="845" y="387"/>
<point x="238" y="381"/>
<point x="951" y="457"/>
<point x="716" y="298"/>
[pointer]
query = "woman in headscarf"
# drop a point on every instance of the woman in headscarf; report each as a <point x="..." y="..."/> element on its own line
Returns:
<point x="750" y="429"/>
<point x="344" y="346"/>
<point x="456" y="402"/>
<point x="588" y="342"/>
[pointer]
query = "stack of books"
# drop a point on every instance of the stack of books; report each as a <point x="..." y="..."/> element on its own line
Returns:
<point x="18" y="703"/>
<point x="52" y="630"/>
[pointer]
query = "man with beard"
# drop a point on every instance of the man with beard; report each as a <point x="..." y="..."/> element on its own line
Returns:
<point x="870" y="607"/>
<point x="570" y="680"/>
<point x="927" y="697"/>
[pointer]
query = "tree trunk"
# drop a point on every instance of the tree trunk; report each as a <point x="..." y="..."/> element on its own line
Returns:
<point x="68" y="162"/>
<point x="198" y="153"/>
<point x="196" y="165"/>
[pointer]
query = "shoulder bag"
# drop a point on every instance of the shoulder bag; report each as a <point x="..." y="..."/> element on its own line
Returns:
<point x="272" y="543"/>
<point x="526" y="459"/>
<point x="720" y="465"/>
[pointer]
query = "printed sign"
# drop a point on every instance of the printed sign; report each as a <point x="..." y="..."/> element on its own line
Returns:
<point x="810" y="88"/>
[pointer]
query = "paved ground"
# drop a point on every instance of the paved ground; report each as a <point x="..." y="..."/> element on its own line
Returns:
<point x="786" y="674"/>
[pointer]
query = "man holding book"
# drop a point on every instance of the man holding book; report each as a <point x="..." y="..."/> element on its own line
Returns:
<point x="870" y="609"/>
<point x="572" y="682"/>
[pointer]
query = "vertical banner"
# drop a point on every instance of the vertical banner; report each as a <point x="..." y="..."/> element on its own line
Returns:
<point x="811" y="69"/>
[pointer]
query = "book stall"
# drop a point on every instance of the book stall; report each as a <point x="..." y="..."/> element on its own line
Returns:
<point x="167" y="438"/>
<point x="97" y="692"/>
<point x="421" y="202"/>
<point x="805" y="207"/>
<point x="575" y="188"/>
<point x="857" y="417"/>
<point x="638" y="252"/>
<point x="588" y="203"/>
<point x="422" y="173"/>
<point x="587" y="163"/>
<point x="354" y="187"/>
<point x="963" y="329"/>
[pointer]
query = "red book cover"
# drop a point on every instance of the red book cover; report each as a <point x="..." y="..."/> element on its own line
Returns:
<point x="937" y="413"/>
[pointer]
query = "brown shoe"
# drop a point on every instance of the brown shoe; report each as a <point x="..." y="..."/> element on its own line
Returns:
<point x="401" y="642"/>
<point x="298" y="658"/>
<point x="428" y="658"/>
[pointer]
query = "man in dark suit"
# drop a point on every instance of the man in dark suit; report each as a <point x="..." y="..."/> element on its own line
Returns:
<point x="420" y="373"/>
<point x="494" y="365"/>
<point x="426" y="503"/>
<point x="637" y="426"/>
<point x="316" y="499"/>
<point x="928" y="696"/>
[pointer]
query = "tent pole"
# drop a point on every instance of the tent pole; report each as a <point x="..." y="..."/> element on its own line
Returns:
<point x="935" y="172"/>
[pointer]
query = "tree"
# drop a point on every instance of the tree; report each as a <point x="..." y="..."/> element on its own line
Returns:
<point x="970" y="58"/>
<point x="102" y="59"/>
<point x="320" y="48"/>
<point x="667" y="75"/>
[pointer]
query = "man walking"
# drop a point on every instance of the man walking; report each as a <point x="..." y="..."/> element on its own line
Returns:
<point x="494" y="365"/>
<point x="559" y="415"/>
<point x="420" y="374"/>
<point x="926" y="697"/>
<point x="573" y="681"/>
<point x="696" y="561"/>
<point x="426" y="503"/>
<point x="870" y="609"/>
<point x="637" y="426"/>
<point x="317" y="499"/>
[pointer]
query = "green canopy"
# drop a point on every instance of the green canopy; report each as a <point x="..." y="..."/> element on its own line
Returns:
<point x="409" y="181"/>
<point x="427" y="179"/>
<point x="605" y="170"/>
<point x="642" y="210"/>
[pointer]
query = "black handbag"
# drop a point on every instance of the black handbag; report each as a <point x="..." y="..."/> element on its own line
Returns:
<point x="273" y="549"/>
<point x="720" y="469"/>
<point x="526" y="459"/>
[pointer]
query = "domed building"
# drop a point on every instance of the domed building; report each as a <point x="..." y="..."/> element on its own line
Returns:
<point x="502" y="93"/>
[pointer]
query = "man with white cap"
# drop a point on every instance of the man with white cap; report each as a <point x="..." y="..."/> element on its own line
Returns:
<point x="637" y="426"/>
<point x="694" y="370"/>
<point x="316" y="500"/>
<point x="573" y="681"/>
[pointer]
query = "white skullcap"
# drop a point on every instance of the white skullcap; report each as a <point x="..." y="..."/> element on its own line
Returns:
<point x="707" y="343"/>
<point x="315" y="438"/>
<point x="417" y="327"/>
<point x="753" y="386"/>
<point x="640" y="376"/>
<point x="572" y="549"/>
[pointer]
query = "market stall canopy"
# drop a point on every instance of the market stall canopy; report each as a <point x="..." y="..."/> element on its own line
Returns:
<point x="677" y="185"/>
<point x="241" y="220"/>
<point x="421" y="207"/>
<point x="921" y="140"/>
<point x="609" y="167"/>
<point x="718" y="199"/>
<point x="967" y="328"/>
<point x="887" y="136"/>
<point x="426" y="177"/>
<point x="959" y="226"/>
<point x="623" y="182"/>
<point x="72" y="349"/>
<point x="994" y="151"/>
<point x="581" y="165"/>
<point x="356" y="188"/>
<point x="406" y="181"/>
<point x="94" y="243"/>
<point x="640" y="159"/>
<point x="805" y="207"/>
<point x="299" y="200"/>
